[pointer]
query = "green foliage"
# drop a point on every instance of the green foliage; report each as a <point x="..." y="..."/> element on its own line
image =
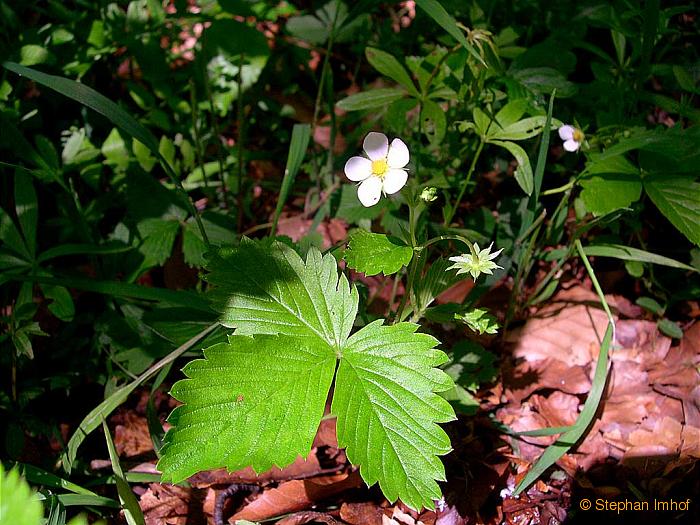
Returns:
<point x="678" y="198"/>
<point x="18" y="505"/>
<point x="241" y="400"/>
<point x="387" y="410"/>
<point x="373" y="253"/>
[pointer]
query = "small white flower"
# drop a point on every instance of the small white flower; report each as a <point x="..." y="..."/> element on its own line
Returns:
<point x="382" y="171"/>
<point x="477" y="262"/>
<point x="572" y="137"/>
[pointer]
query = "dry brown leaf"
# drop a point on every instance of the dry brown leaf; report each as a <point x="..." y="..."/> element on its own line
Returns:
<point x="301" y="468"/>
<point x="296" y="495"/>
<point x="131" y="435"/>
<point x="332" y="231"/>
<point x="361" y="513"/>
<point x="165" y="504"/>
<point x="300" y="518"/>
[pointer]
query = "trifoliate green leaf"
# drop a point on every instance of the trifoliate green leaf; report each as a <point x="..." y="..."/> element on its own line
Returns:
<point x="251" y="402"/>
<point x="479" y="320"/>
<point x="678" y="198"/>
<point x="270" y="290"/>
<point x="387" y="410"/>
<point x="258" y="400"/>
<point x="18" y="506"/>
<point x="373" y="253"/>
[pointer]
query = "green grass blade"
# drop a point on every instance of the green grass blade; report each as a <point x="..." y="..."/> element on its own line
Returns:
<point x="83" y="249"/>
<point x="544" y="147"/>
<point x="39" y="476"/>
<point x="125" y="290"/>
<point x="448" y="23"/>
<point x="301" y="133"/>
<point x="627" y="253"/>
<point x="97" y="414"/>
<point x="90" y="98"/>
<point x="129" y="503"/>
<point x="82" y="500"/>
<point x="555" y="451"/>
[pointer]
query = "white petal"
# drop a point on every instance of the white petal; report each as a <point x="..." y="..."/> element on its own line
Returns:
<point x="566" y="132"/>
<point x="376" y="145"/>
<point x="358" y="168"/>
<point x="398" y="154"/>
<point x="394" y="180"/>
<point x="571" y="145"/>
<point x="369" y="191"/>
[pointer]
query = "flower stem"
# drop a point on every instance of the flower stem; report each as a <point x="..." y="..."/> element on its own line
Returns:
<point x="465" y="183"/>
<point x="413" y="265"/>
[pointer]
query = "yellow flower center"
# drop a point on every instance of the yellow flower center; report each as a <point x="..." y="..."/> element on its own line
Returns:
<point x="578" y="136"/>
<point x="379" y="167"/>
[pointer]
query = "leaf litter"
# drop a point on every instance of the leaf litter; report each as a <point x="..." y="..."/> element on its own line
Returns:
<point x="648" y="424"/>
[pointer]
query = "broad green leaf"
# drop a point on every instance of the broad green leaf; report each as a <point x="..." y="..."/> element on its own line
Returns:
<point x="12" y="238"/>
<point x="521" y="130"/>
<point x="388" y="66"/>
<point x="270" y="290"/>
<point x="523" y="173"/>
<point x="258" y="400"/>
<point x="373" y="253"/>
<point x="26" y="207"/>
<point x="627" y="253"/>
<point x="158" y="239"/>
<point x="435" y="122"/>
<point x="387" y="410"/>
<point x="482" y="122"/>
<point x="603" y="194"/>
<point x="479" y="320"/>
<point x="669" y="328"/>
<point x="331" y="18"/>
<point x="511" y="112"/>
<point x="375" y="98"/>
<point x="18" y="506"/>
<point x="600" y="164"/>
<point x="61" y="302"/>
<point x="32" y="55"/>
<point x="129" y="503"/>
<point x="301" y="133"/>
<point x="114" y="150"/>
<point x="650" y="305"/>
<point x="678" y="198"/>
<point x="254" y="401"/>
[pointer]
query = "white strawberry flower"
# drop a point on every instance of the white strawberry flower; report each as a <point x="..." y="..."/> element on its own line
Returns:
<point x="382" y="172"/>
<point x="572" y="137"/>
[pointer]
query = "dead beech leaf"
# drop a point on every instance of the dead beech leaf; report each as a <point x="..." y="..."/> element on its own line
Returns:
<point x="296" y="495"/>
<point x="301" y="468"/>
<point x="361" y="513"/>
<point x="131" y="435"/>
<point x="571" y="335"/>
<point x="332" y="231"/>
<point x="301" y="518"/>
<point x="165" y="504"/>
